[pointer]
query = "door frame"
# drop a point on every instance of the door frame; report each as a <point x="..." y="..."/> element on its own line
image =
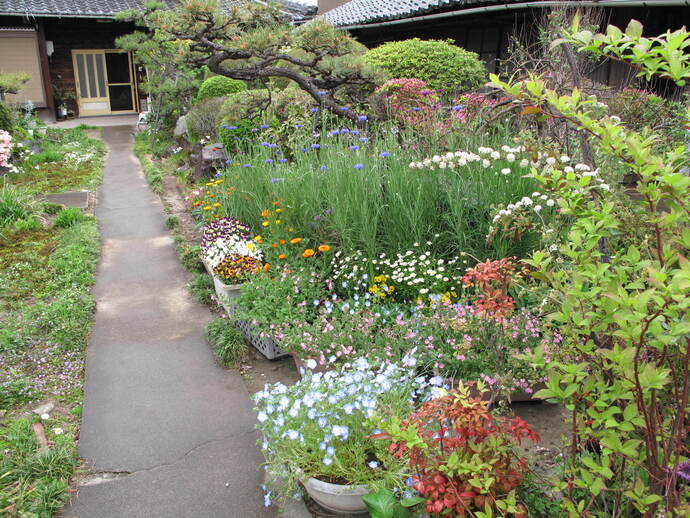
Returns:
<point x="132" y="83"/>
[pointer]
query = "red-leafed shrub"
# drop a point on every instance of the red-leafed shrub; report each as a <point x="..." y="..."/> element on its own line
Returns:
<point x="464" y="458"/>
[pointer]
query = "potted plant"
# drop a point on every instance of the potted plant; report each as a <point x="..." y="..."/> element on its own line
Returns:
<point x="319" y="431"/>
<point x="62" y="95"/>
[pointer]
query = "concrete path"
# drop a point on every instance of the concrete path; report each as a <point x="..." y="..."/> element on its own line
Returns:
<point x="157" y="408"/>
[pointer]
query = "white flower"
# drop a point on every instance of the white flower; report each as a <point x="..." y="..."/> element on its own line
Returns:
<point x="605" y="187"/>
<point x="442" y="165"/>
<point x="537" y="208"/>
<point x="524" y="163"/>
<point x="565" y="159"/>
<point x="510" y="157"/>
<point x="436" y="159"/>
<point x="550" y="203"/>
<point x="505" y="170"/>
<point x="550" y="160"/>
<point x="45" y="416"/>
<point x="58" y="431"/>
<point x="311" y="364"/>
<point x="495" y="155"/>
<point x="526" y="201"/>
<point x="486" y="163"/>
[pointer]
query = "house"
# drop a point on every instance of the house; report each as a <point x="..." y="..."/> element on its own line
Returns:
<point x="68" y="48"/>
<point x="487" y="26"/>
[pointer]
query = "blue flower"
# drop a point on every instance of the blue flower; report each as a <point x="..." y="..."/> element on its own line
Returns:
<point x="333" y="133"/>
<point x="265" y="144"/>
<point x="416" y="108"/>
<point x="362" y="117"/>
<point x="268" y="161"/>
<point x="373" y="464"/>
<point x="299" y="126"/>
<point x="321" y="93"/>
<point x="354" y="148"/>
<point x="254" y="130"/>
<point x="322" y="444"/>
<point x="344" y="108"/>
<point x="384" y="154"/>
<point x="323" y="168"/>
<point x="322" y="422"/>
<point x="275" y="180"/>
<point x="344" y="130"/>
<point x="314" y="110"/>
<point x="316" y="302"/>
<point x="228" y="161"/>
<point x="330" y="451"/>
<point x="359" y="166"/>
<point x="457" y="107"/>
<point x="247" y="165"/>
<point x="327" y="461"/>
<point x="355" y="132"/>
<point x="292" y="434"/>
<point x="315" y="146"/>
<point x="282" y="160"/>
<point x="363" y="139"/>
<point x="264" y="126"/>
<point x="218" y="174"/>
<point x="231" y="127"/>
<point x="304" y="150"/>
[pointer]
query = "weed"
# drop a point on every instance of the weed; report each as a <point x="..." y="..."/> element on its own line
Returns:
<point x="51" y="208"/>
<point x="201" y="288"/>
<point x="30" y="224"/>
<point x="227" y="341"/>
<point x="15" y="391"/>
<point x="15" y="204"/>
<point x="189" y="257"/>
<point x="172" y="222"/>
<point x="68" y="217"/>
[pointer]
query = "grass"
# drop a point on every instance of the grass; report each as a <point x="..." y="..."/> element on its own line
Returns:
<point x="152" y="170"/>
<point x="201" y="288"/>
<point x="227" y="341"/>
<point x="69" y="160"/>
<point x="46" y="309"/>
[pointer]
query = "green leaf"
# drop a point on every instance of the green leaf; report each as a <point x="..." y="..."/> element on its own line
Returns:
<point x="412" y="501"/>
<point x="634" y="29"/>
<point x="381" y="504"/>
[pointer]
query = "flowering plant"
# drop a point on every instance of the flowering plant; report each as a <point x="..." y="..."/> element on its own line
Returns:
<point x="223" y="229"/>
<point x="235" y="268"/>
<point x="322" y="426"/>
<point x="216" y="252"/>
<point x="463" y="458"/>
<point x="6" y="148"/>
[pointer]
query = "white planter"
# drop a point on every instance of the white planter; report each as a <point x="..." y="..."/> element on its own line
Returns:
<point x="336" y="497"/>
<point x="227" y="294"/>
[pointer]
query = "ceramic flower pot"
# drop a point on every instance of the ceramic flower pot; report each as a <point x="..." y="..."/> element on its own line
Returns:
<point x="344" y="499"/>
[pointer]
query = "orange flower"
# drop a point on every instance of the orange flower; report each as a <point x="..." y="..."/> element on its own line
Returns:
<point x="211" y="195"/>
<point x="267" y="267"/>
<point x="197" y="203"/>
<point x="324" y="248"/>
<point x="216" y="204"/>
<point x="282" y="256"/>
<point x="276" y="203"/>
<point x="274" y="245"/>
<point x="265" y="213"/>
<point x="208" y="207"/>
<point x="282" y="241"/>
<point x="308" y="252"/>
<point x="295" y="240"/>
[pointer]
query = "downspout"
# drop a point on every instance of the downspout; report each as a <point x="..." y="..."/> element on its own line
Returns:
<point x="523" y="5"/>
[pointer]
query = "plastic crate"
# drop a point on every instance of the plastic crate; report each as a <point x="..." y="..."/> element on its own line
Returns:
<point x="264" y="344"/>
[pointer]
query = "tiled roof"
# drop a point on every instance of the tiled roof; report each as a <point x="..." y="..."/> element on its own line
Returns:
<point x="104" y="8"/>
<point x="356" y="12"/>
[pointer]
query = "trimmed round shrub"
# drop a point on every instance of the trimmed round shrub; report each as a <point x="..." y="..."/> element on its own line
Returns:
<point x="441" y="64"/>
<point x="219" y="86"/>
<point x="6" y="118"/>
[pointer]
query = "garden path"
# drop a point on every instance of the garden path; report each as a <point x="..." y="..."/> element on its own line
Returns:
<point x="157" y="410"/>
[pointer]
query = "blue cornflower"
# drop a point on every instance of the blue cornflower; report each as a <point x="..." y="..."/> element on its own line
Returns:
<point x="304" y="150"/>
<point x="273" y="146"/>
<point x="362" y="117"/>
<point x="323" y="168"/>
<point x="218" y="175"/>
<point x="265" y="144"/>
<point x="321" y="93"/>
<point x="268" y="161"/>
<point x="314" y="110"/>
<point x="254" y="130"/>
<point x="344" y="130"/>
<point x="282" y="160"/>
<point x="457" y="107"/>
<point x="315" y="146"/>
<point x="299" y="126"/>
<point x="355" y="132"/>
<point x="359" y="166"/>
<point x="333" y="133"/>
<point x="264" y="126"/>
<point x="354" y="148"/>
<point x="363" y="139"/>
<point x="275" y="180"/>
<point x="384" y="154"/>
<point x="247" y="165"/>
<point x="228" y="161"/>
<point x="344" y="108"/>
<point x="231" y="127"/>
<point x="224" y="126"/>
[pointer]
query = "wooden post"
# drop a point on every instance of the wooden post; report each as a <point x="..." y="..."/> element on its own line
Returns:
<point x="45" y="70"/>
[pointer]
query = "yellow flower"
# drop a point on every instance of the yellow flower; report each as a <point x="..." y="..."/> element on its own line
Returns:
<point x="324" y="248"/>
<point x="258" y="239"/>
<point x="266" y="223"/>
<point x="278" y="211"/>
<point x="250" y="246"/>
<point x="308" y="252"/>
<point x="291" y="229"/>
<point x="282" y="256"/>
<point x="208" y="207"/>
<point x="216" y="204"/>
<point x="209" y="184"/>
<point x="295" y="240"/>
<point x="278" y="222"/>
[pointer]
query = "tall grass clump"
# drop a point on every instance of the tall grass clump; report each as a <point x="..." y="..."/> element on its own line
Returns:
<point x="15" y="204"/>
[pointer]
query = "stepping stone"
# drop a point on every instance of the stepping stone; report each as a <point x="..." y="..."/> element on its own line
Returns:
<point x="78" y="199"/>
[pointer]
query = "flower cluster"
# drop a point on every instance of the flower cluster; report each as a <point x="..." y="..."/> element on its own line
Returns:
<point x="237" y="267"/>
<point x="6" y="149"/>
<point x="322" y="426"/>
<point x="215" y="252"/>
<point x="223" y="229"/>
<point x="485" y="155"/>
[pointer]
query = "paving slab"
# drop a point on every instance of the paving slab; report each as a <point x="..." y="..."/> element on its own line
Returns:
<point x="78" y="199"/>
<point x="157" y="407"/>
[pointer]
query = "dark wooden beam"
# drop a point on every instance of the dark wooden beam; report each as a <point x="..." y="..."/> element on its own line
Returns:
<point x="45" y="70"/>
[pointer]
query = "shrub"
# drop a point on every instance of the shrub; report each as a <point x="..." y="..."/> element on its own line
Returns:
<point x="204" y="119"/>
<point x="227" y="341"/>
<point x="219" y="86"/>
<point x="6" y="118"/>
<point x="441" y="64"/>
<point x="68" y="217"/>
<point x="243" y="112"/>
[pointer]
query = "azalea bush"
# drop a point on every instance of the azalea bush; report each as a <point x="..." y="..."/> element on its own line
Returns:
<point x="322" y="426"/>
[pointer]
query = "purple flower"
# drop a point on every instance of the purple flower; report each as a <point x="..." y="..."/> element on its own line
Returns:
<point x="299" y="126"/>
<point x="265" y="144"/>
<point x="231" y="127"/>
<point x="355" y="132"/>
<point x="344" y="130"/>
<point x="275" y="180"/>
<point x="268" y="161"/>
<point x="321" y="93"/>
<point x="247" y="165"/>
<point x="384" y="154"/>
<point x="282" y="160"/>
<point x="314" y="110"/>
<point x="362" y="117"/>
<point x="359" y="166"/>
<point x="354" y="148"/>
<point x="254" y="130"/>
<point x="304" y="150"/>
<point x="683" y="470"/>
<point x="323" y="168"/>
<point x="344" y="108"/>
<point x="315" y="146"/>
<point x="333" y="133"/>
<point x="264" y="126"/>
<point x="416" y="108"/>
<point x="317" y="217"/>
<point x="228" y="161"/>
<point x="363" y="139"/>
